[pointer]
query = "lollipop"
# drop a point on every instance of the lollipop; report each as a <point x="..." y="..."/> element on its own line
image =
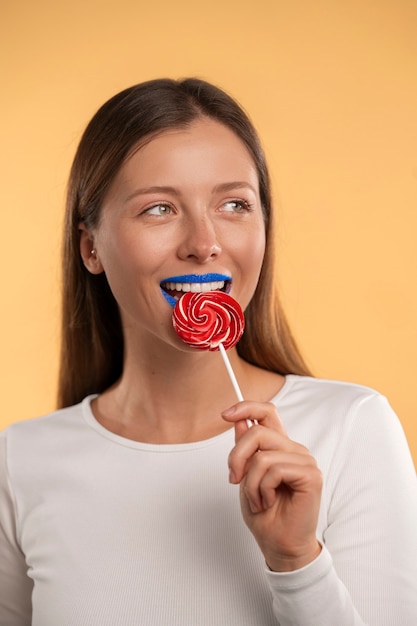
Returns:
<point x="206" y="321"/>
<point x="210" y="321"/>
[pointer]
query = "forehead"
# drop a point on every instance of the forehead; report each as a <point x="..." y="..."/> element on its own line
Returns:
<point x="203" y="143"/>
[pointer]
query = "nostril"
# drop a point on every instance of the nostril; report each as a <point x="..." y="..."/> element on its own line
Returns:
<point x="203" y="251"/>
<point x="200" y="242"/>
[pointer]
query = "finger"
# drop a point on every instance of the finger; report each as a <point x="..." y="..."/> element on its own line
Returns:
<point x="255" y="440"/>
<point x="269" y="471"/>
<point x="241" y="428"/>
<point x="264" y="413"/>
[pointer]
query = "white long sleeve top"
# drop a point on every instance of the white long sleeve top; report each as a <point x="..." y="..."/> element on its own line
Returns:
<point x="99" y="530"/>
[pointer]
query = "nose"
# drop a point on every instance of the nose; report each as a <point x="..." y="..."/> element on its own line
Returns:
<point x="200" y="242"/>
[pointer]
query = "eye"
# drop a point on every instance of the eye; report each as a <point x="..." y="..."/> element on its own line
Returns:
<point x="161" y="209"/>
<point x="235" y="206"/>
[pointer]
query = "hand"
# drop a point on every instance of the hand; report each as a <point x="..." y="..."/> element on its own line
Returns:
<point x="280" y="486"/>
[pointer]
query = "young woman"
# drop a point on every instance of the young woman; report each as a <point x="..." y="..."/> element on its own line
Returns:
<point x="147" y="499"/>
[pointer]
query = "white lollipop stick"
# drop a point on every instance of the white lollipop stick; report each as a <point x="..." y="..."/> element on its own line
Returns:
<point x="230" y="372"/>
<point x="233" y="378"/>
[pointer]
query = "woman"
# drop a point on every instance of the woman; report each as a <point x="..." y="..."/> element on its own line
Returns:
<point x="118" y="509"/>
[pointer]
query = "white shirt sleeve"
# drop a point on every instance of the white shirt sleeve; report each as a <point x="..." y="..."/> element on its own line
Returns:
<point x="367" y="571"/>
<point x="313" y="595"/>
<point x="15" y="585"/>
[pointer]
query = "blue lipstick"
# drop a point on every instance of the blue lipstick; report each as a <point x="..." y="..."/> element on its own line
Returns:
<point x="196" y="278"/>
<point x="193" y="278"/>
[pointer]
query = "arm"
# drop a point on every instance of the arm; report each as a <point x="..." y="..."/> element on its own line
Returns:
<point x="367" y="570"/>
<point x="15" y="585"/>
<point x="372" y="516"/>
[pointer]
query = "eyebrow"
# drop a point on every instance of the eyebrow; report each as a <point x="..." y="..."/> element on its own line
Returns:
<point x="221" y="187"/>
<point x="147" y="190"/>
<point x="238" y="184"/>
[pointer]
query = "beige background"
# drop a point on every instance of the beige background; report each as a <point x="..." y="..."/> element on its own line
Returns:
<point x="331" y="86"/>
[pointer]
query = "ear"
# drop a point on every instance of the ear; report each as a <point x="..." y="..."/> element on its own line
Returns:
<point x="88" y="251"/>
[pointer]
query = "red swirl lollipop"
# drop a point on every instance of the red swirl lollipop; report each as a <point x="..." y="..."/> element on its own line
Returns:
<point x="206" y="320"/>
<point x="211" y="321"/>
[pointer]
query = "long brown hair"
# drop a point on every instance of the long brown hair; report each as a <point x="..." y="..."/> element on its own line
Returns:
<point x="92" y="338"/>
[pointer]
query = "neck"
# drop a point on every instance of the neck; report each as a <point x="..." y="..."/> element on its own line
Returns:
<point x="177" y="397"/>
<point x="173" y="398"/>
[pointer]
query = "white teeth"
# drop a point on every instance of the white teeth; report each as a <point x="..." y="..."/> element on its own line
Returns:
<point x="195" y="287"/>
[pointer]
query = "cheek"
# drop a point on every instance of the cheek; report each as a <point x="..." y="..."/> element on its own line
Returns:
<point x="251" y="253"/>
<point x="121" y="250"/>
<point x="256" y="261"/>
<point x="254" y="250"/>
<point x="117" y="256"/>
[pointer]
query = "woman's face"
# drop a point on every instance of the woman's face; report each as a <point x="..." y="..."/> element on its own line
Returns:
<point x="183" y="213"/>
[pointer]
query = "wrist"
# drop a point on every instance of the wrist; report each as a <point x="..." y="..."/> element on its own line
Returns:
<point x="289" y="563"/>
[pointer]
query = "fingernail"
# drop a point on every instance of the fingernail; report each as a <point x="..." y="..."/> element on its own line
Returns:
<point x="232" y="477"/>
<point x="229" y="412"/>
<point x="265" y="504"/>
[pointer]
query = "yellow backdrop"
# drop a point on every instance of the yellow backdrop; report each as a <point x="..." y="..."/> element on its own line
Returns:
<point x="331" y="86"/>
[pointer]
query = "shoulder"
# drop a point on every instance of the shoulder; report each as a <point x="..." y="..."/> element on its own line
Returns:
<point x="39" y="450"/>
<point x="347" y="427"/>
<point x="318" y="393"/>
<point x="42" y="433"/>
<point x="48" y="421"/>
<point x="325" y="412"/>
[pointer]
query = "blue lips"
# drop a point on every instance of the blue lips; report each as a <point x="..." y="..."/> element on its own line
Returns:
<point x="196" y="278"/>
<point x="191" y="278"/>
